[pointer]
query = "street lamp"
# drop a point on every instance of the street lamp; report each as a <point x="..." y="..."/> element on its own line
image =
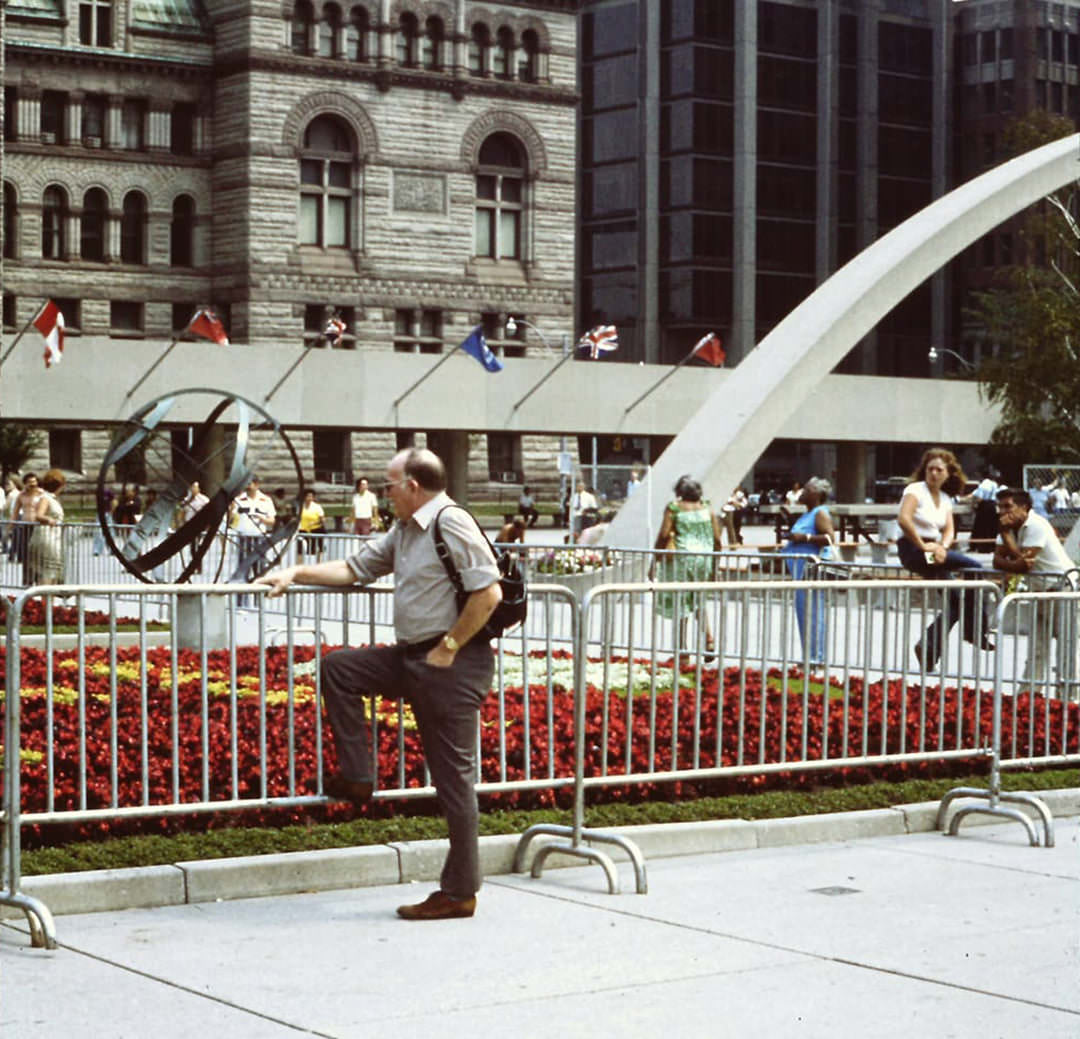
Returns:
<point x="512" y="327"/>
<point x="936" y="352"/>
<point x="511" y="331"/>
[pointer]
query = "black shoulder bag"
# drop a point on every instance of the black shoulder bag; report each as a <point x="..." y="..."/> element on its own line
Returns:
<point x="515" y="604"/>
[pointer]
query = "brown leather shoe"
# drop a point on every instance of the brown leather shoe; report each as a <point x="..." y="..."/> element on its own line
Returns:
<point x="439" y="906"/>
<point x="356" y="792"/>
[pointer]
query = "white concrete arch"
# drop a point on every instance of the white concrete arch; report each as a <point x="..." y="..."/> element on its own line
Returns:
<point x="724" y="438"/>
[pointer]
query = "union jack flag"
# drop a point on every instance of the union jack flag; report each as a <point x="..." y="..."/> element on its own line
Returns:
<point x="335" y="329"/>
<point x="602" y="339"/>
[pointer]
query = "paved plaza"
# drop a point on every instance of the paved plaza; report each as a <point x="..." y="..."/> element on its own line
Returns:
<point x="908" y="935"/>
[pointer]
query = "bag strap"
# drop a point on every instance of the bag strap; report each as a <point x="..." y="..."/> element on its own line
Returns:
<point x="442" y="550"/>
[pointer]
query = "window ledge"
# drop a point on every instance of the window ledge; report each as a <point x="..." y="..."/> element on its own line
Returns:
<point x="316" y="258"/>
<point x="504" y="272"/>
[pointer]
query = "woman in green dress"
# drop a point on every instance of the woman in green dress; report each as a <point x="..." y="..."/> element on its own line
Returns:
<point x="690" y="532"/>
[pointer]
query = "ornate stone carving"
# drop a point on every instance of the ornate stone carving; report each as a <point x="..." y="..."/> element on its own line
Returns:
<point x="419" y="192"/>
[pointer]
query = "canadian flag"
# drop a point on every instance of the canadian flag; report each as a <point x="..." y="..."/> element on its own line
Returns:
<point x="50" y="323"/>
<point x="207" y="324"/>
<point x="710" y="349"/>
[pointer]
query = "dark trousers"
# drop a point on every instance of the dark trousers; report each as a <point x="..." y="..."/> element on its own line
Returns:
<point x="446" y="703"/>
<point x="958" y="603"/>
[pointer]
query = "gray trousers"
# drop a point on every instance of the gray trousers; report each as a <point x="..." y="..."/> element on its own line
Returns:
<point x="446" y="703"/>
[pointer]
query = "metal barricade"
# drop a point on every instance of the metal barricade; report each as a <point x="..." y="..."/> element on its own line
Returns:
<point x="1036" y="708"/>
<point x="204" y="707"/>
<point x="714" y="680"/>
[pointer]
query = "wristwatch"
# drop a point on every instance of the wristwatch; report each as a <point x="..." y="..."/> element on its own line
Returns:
<point x="450" y="643"/>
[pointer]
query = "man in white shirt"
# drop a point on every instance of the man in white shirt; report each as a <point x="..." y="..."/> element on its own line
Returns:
<point x="365" y="509"/>
<point x="1029" y="545"/>
<point x="1059" y="498"/>
<point x="252" y="516"/>
<point x="582" y="500"/>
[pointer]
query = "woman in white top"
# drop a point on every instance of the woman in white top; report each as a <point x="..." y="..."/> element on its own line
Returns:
<point x="925" y="548"/>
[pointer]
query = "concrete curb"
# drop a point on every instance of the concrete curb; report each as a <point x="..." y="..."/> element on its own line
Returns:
<point x="412" y="861"/>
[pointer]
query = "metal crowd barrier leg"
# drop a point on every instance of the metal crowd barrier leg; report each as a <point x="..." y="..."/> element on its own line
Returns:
<point x="993" y="795"/>
<point x="39" y="919"/>
<point x="577" y="833"/>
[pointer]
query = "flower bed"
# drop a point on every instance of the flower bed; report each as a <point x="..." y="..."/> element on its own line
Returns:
<point x="644" y="723"/>
<point x="34" y="616"/>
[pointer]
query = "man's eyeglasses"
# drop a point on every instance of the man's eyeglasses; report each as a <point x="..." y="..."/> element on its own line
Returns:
<point x="387" y="484"/>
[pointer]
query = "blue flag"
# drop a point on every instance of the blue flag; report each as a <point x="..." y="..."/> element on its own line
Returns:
<point x="476" y="346"/>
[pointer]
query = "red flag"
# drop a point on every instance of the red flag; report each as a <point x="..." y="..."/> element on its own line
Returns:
<point x="710" y="349"/>
<point x="206" y="323"/>
<point x="50" y="323"/>
<point x="602" y="339"/>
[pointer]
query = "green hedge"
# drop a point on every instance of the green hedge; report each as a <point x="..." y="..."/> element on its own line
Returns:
<point x="152" y="850"/>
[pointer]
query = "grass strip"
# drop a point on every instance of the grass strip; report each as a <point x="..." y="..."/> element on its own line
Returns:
<point x="158" y="850"/>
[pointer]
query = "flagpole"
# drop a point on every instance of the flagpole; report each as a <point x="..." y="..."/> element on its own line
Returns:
<point x="550" y="373"/>
<point x="150" y="370"/>
<point x="22" y="332"/>
<point x="663" y="378"/>
<point x="292" y="367"/>
<point x="431" y="371"/>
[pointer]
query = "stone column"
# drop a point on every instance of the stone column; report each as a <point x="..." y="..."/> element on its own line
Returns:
<point x="73" y="117"/>
<point x="28" y="114"/>
<point x="112" y="235"/>
<point x="73" y="233"/>
<point x="114" y="121"/>
<point x="159" y="138"/>
<point x="385" y="35"/>
<point x="452" y="446"/>
<point x="851" y="472"/>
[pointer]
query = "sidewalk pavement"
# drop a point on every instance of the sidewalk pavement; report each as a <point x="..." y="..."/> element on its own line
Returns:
<point x="880" y="928"/>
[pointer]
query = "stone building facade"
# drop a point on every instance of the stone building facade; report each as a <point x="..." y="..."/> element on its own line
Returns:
<point x="406" y="166"/>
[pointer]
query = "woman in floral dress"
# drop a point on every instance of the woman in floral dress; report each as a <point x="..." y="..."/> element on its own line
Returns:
<point x="691" y="532"/>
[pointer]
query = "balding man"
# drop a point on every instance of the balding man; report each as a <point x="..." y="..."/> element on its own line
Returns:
<point x="436" y="664"/>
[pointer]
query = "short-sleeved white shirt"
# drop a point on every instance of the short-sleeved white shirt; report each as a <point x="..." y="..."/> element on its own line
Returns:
<point x="929" y="519"/>
<point x="1037" y="532"/>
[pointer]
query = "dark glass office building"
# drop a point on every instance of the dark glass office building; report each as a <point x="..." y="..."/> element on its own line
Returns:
<point x="735" y="153"/>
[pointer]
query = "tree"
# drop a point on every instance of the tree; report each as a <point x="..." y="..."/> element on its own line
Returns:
<point x="1030" y="320"/>
<point x="17" y="444"/>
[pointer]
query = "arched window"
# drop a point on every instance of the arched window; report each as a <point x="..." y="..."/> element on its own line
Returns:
<point x="303" y="25"/>
<point x="11" y="221"/>
<point x="407" y="38"/>
<point x="499" y="194"/>
<point x="329" y="31"/>
<point x="504" y="48"/>
<point x="431" y="45"/>
<point x="356" y="35"/>
<point x="530" y="47"/>
<point x="479" y="45"/>
<point x="133" y="229"/>
<point x="92" y="229"/>
<point x="326" y="189"/>
<point x="182" y="232"/>
<point x="54" y="211"/>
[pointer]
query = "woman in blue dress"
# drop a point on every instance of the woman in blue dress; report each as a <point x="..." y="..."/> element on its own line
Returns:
<point x="811" y="536"/>
<point x="691" y="532"/>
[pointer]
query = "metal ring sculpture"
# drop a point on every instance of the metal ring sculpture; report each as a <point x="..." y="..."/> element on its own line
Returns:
<point x="151" y="543"/>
